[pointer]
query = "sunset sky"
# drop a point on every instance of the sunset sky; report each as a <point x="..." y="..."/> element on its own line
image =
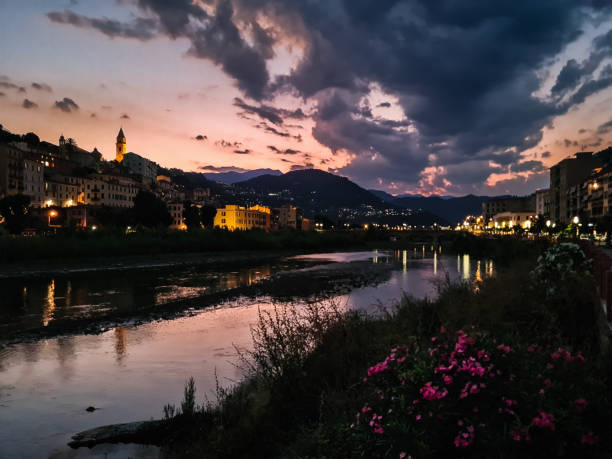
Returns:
<point x="403" y="96"/>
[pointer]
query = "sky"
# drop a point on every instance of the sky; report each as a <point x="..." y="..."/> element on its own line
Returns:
<point x="447" y="97"/>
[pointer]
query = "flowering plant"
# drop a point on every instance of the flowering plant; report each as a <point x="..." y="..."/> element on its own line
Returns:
<point x="468" y="394"/>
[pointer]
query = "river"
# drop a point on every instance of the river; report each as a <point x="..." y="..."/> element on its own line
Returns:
<point x="130" y="370"/>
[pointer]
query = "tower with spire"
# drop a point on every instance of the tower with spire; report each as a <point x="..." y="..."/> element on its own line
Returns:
<point x="121" y="146"/>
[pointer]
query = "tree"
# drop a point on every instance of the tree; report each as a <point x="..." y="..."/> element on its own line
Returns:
<point x="207" y="215"/>
<point x="150" y="211"/>
<point x="31" y="139"/>
<point x="15" y="211"/>
<point x="192" y="216"/>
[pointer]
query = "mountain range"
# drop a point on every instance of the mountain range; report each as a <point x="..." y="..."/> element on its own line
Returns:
<point x="232" y="177"/>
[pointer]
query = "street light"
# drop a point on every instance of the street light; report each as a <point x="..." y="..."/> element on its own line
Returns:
<point x="52" y="213"/>
<point x="548" y="223"/>
<point x="576" y="220"/>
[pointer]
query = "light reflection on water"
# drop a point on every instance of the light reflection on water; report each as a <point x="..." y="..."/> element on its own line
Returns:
<point x="131" y="372"/>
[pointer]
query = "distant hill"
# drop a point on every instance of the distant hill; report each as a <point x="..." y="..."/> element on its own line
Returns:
<point x="383" y="195"/>
<point x="232" y="177"/>
<point x="320" y="192"/>
<point x="451" y="209"/>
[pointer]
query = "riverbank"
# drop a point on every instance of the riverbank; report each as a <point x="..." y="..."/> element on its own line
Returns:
<point x="533" y="339"/>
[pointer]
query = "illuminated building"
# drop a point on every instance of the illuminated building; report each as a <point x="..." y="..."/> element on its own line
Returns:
<point x="543" y="202"/>
<point x="505" y="220"/>
<point x="121" y="146"/>
<point x="511" y="204"/>
<point x="287" y="216"/>
<point x="566" y="178"/>
<point x="176" y="211"/>
<point x="234" y="217"/>
<point x="20" y="174"/>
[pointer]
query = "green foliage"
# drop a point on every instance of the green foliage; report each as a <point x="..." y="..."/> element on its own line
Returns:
<point x="150" y="211"/>
<point x="188" y="405"/>
<point x="15" y="211"/>
<point x="305" y="379"/>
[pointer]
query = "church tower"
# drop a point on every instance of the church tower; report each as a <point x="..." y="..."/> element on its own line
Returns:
<point x="121" y="146"/>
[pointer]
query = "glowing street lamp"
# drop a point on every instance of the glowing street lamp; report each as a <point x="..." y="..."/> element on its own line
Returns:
<point x="52" y="213"/>
<point x="548" y="223"/>
<point x="576" y="220"/>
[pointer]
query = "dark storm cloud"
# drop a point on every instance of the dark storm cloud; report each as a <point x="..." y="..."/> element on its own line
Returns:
<point x="604" y="128"/>
<point x="529" y="166"/>
<point x="267" y="112"/>
<point x="201" y="137"/>
<point x="42" y="87"/>
<point x="66" y="105"/>
<point x="139" y="28"/>
<point x="29" y="104"/>
<point x="463" y="72"/>
<point x="546" y="154"/>
<point x="246" y="151"/>
<point x="297" y="167"/>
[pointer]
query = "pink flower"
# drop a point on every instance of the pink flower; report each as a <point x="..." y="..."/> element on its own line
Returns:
<point x="544" y="421"/>
<point x="402" y="455"/>
<point x="581" y="404"/>
<point x="589" y="439"/>
<point x="418" y="417"/>
<point x="447" y="379"/>
<point x="465" y="439"/>
<point x="506" y="349"/>
<point x="547" y="383"/>
<point x="379" y="430"/>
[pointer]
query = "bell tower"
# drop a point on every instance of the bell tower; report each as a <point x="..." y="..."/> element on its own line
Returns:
<point x="121" y="146"/>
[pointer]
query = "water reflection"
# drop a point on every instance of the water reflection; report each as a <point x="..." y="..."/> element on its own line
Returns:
<point x="120" y="345"/>
<point x="49" y="306"/>
<point x="53" y="381"/>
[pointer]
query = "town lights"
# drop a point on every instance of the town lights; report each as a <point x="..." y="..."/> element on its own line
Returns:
<point x="576" y="220"/>
<point x="52" y="214"/>
<point x="548" y="223"/>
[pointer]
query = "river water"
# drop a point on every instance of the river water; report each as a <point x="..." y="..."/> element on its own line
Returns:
<point x="129" y="372"/>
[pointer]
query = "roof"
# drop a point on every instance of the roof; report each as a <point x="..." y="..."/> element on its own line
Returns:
<point x="121" y="135"/>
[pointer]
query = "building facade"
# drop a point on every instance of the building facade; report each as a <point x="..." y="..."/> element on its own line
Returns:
<point x="140" y="166"/>
<point x="234" y="217"/>
<point x="566" y="178"/>
<point x="542" y="202"/>
<point x="524" y="204"/>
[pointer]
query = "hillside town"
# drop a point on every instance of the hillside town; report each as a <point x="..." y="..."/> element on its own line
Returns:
<point x="68" y="186"/>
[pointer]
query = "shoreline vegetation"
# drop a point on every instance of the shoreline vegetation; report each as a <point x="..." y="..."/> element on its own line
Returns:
<point x="517" y="365"/>
<point x="19" y="252"/>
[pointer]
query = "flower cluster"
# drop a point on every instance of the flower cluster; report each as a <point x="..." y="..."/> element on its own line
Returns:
<point x="467" y="391"/>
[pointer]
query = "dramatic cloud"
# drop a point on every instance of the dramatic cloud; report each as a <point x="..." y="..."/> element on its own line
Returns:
<point x="463" y="76"/>
<point x="42" y="87"/>
<point x="29" y="104"/>
<point x="286" y="151"/>
<point x="66" y="105"/>
<point x="139" y="28"/>
<point x="268" y="113"/>
<point x="604" y="128"/>
<point x="246" y="151"/>
<point x="201" y="137"/>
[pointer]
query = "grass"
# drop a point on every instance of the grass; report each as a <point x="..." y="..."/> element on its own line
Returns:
<point x="305" y="376"/>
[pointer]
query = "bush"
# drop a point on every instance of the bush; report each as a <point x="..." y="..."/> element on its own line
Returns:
<point x="472" y="395"/>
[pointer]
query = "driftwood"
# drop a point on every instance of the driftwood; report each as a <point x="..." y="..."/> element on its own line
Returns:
<point x="143" y="432"/>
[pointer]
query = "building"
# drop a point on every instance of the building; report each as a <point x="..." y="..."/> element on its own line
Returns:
<point x="200" y="195"/>
<point x="140" y="166"/>
<point x="524" y="204"/>
<point x="21" y="173"/>
<point x="595" y="191"/>
<point x="234" y="217"/>
<point x="566" y="178"/>
<point x="176" y="210"/>
<point x="121" y="146"/>
<point x="287" y="217"/>
<point x="542" y="202"/>
<point x="512" y="219"/>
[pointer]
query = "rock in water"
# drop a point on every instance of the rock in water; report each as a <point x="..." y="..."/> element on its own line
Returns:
<point x="144" y="432"/>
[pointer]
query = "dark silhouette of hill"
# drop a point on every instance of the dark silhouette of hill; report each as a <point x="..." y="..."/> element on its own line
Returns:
<point x="452" y="209"/>
<point x="233" y="176"/>
<point x="320" y="192"/>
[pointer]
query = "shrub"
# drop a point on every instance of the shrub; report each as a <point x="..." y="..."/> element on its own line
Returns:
<point x="470" y="395"/>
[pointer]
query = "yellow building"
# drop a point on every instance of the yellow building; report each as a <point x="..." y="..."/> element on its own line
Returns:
<point x="234" y="217"/>
<point x="121" y="146"/>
